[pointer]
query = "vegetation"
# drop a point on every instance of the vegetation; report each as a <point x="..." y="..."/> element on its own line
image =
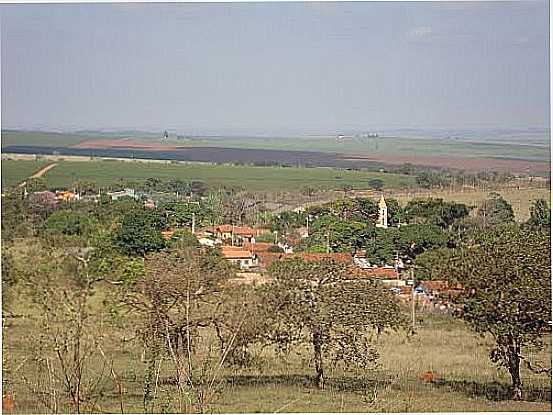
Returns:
<point x="103" y="314"/>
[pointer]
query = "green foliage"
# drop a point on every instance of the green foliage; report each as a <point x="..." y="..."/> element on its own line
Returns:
<point x="376" y="184"/>
<point x="495" y="211"/>
<point x="339" y="235"/>
<point x="507" y="281"/>
<point x="540" y="215"/>
<point x="183" y="238"/>
<point x="435" y="211"/>
<point x="67" y="222"/>
<point x="140" y="232"/>
<point x="314" y="303"/>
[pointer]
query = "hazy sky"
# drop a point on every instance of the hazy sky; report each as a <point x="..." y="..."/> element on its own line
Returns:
<point x="275" y="67"/>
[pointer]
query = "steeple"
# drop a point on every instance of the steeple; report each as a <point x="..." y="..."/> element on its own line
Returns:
<point x="382" y="213"/>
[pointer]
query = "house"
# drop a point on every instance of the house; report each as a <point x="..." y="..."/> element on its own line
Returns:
<point x="236" y="233"/>
<point x="267" y="258"/>
<point x="67" y="196"/>
<point x="237" y="255"/>
<point x="150" y="204"/>
<point x="123" y="193"/>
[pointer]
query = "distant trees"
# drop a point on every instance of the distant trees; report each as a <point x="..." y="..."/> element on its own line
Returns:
<point x="434" y="211"/>
<point x="495" y="210"/>
<point x="376" y="184"/>
<point x="313" y="303"/>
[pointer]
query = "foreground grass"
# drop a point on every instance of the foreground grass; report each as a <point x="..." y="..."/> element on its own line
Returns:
<point x="466" y="380"/>
<point x="109" y="173"/>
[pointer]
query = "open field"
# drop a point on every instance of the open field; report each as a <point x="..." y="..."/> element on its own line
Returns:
<point x="466" y="379"/>
<point x="471" y="155"/>
<point x="107" y="173"/>
<point x="520" y="199"/>
<point x="16" y="171"/>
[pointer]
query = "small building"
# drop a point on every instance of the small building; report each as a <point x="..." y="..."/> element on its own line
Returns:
<point x="237" y="255"/>
<point x="67" y="196"/>
<point x="123" y="193"/>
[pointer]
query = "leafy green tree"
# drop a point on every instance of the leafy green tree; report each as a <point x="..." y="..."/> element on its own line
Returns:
<point x="507" y="282"/>
<point x="140" y="232"/>
<point x="314" y="303"/>
<point x="540" y="214"/>
<point x="495" y="211"/>
<point x="67" y="222"/>
<point x="183" y="238"/>
<point x="338" y="235"/>
<point x="435" y="211"/>
<point x="415" y="239"/>
<point x="376" y="184"/>
<point x="14" y="221"/>
<point x="382" y="248"/>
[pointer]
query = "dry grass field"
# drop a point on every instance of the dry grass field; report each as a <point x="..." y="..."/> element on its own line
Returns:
<point x="464" y="377"/>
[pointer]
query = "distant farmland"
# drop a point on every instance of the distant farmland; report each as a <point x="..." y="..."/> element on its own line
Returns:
<point x="109" y="173"/>
<point x="369" y="153"/>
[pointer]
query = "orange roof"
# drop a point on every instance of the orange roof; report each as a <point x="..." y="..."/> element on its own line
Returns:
<point x="167" y="234"/>
<point x="336" y="256"/>
<point x="267" y="258"/>
<point x="384" y="273"/>
<point x="238" y="230"/>
<point x="258" y="246"/>
<point x="230" y="252"/>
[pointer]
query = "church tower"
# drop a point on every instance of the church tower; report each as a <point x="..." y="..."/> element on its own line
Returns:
<point x="382" y="213"/>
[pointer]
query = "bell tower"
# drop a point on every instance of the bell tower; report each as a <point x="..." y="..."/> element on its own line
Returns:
<point x="382" y="213"/>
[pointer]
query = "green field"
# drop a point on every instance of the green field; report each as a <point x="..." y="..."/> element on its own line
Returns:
<point x="15" y="171"/>
<point x="385" y="145"/>
<point x="401" y="146"/>
<point x="47" y="139"/>
<point x="106" y="173"/>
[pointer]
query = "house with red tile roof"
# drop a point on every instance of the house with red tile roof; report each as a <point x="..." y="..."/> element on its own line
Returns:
<point x="237" y="255"/>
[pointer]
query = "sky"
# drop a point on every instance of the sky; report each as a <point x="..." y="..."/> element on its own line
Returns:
<point x="275" y="68"/>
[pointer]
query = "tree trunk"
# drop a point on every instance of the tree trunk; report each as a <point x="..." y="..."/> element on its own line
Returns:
<point x="317" y="349"/>
<point x="514" y="370"/>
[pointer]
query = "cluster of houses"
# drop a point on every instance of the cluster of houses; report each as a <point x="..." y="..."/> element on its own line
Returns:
<point x="239" y="245"/>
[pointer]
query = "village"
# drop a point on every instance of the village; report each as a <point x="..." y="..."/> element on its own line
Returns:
<point x="241" y="246"/>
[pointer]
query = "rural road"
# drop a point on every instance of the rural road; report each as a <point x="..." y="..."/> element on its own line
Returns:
<point x="40" y="173"/>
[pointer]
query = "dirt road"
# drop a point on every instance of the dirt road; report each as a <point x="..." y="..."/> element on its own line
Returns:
<point x="40" y="173"/>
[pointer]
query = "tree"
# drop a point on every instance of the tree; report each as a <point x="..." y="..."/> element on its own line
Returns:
<point x="507" y="283"/>
<point x="495" y="211"/>
<point x="540" y="214"/>
<point x="314" y="303"/>
<point x="140" y="232"/>
<point x="65" y="354"/>
<point x="376" y="184"/>
<point x="338" y="235"/>
<point x="176" y="303"/>
<point x="67" y="222"/>
<point x="435" y="211"/>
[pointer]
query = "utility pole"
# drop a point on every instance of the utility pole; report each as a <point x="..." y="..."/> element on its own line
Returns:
<point x="307" y="225"/>
<point x="413" y="299"/>
<point x="193" y="222"/>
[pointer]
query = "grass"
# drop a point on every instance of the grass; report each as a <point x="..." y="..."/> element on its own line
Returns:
<point x="108" y="173"/>
<point x="466" y="379"/>
<point x="47" y="139"/>
<point x="15" y="171"/>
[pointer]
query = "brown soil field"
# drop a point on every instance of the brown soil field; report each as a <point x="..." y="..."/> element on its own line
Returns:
<point x="313" y="158"/>
<point x="462" y="163"/>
